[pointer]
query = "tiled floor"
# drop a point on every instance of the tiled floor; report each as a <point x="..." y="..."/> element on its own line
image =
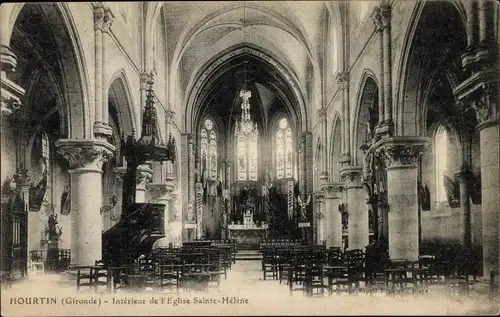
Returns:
<point x="244" y="292"/>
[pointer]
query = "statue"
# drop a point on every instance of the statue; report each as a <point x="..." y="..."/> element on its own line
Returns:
<point x="52" y="231"/>
<point x="38" y="192"/>
<point x="452" y="192"/>
<point x="66" y="201"/>
<point x="303" y="211"/>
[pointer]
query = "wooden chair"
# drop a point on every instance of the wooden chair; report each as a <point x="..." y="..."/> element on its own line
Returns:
<point x="84" y="277"/>
<point x="36" y="264"/>
<point x="315" y="281"/>
<point x="269" y="265"/>
<point x="100" y="279"/>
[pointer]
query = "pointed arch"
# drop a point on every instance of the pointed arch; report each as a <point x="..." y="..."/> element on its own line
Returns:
<point x="119" y="88"/>
<point x="367" y="96"/>
<point x="335" y="148"/>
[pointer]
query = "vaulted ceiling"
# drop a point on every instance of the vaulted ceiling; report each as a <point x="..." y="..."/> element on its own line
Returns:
<point x="293" y="32"/>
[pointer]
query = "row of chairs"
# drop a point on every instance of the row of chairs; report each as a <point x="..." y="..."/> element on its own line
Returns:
<point x="350" y="271"/>
<point x="186" y="268"/>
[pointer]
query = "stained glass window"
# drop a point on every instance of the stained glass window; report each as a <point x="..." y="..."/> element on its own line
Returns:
<point x="247" y="154"/>
<point x="209" y="148"/>
<point x="284" y="150"/>
<point x="441" y="159"/>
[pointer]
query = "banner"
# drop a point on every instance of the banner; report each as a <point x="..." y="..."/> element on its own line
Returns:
<point x="290" y="199"/>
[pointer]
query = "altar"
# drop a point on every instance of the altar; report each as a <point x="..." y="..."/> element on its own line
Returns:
<point x="247" y="237"/>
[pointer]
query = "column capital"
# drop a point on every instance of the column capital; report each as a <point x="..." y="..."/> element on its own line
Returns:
<point x="160" y="190"/>
<point x="143" y="79"/>
<point x="352" y="176"/>
<point x="333" y="190"/>
<point x="377" y="19"/>
<point x="322" y="114"/>
<point x="169" y="116"/>
<point x="479" y="92"/>
<point x="23" y="177"/>
<point x="342" y="79"/>
<point x="99" y="13"/>
<point x="85" y="153"/>
<point x="385" y="15"/>
<point x="107" y="20"/>
<point x="401" y="151"/>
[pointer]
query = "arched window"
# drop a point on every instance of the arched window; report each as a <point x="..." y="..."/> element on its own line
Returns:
<point x="247" y="152"/>
<point x="441" y="161"/>
<point x="209" y="148"/>
<point x="284" y="150"/>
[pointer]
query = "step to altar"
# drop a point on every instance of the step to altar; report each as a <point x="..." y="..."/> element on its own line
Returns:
<point x="245" y="255"/>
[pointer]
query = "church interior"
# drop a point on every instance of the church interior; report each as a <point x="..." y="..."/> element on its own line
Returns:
<point x="322" y="146"/>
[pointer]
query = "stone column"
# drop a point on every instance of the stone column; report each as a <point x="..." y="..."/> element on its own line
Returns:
<point x="483" y="23"/>
<point x="469" y="11"/>
<point x="106" y="25"/>
<point x="401" y="155"/>
<point x="319" y="217"/>
<point x="343" y="82"/>
<point x="175" y="227"/>
<point x="86" y="158"/>
<point x="490" y="188"/>
<point x="464" y="175"/>
<point x="161" y="194"/>
<point x="377" y="20"/>
<point x="356" y="207"/>
<point x="385" y="15"/>
<point x="480" y="93"/>
<point x="99" y="13"/>
<point x="144" y="176"/>
<point x="333" y="222"/>
<point x="322" y="115"/>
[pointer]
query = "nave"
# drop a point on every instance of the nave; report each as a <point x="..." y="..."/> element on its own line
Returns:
<point x="245" y="282"/>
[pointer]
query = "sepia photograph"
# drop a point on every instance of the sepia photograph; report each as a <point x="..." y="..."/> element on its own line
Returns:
<point x="239" y="158"/>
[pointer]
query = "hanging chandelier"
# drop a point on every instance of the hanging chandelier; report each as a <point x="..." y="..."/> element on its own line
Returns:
<point x="245" y="127"/>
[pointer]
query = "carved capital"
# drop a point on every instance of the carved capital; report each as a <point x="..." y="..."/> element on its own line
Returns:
<point x="160" y="190"/>
<point x="352" y="176"/>
<point x="342" y="79"/>
<point x="322" y="113"/>
<point x="169" y="116"/>
<point x="85" y="153"/>
<point x="401" y="151"/>
<point x="333" y="190"/>
<point x="99" y="12"/>
<point x="23" y="177"/>
<point x="108" y="19"/>
<point x="377" y="19"/>
<point x="144" y="77"/>
<point x="385" y="15"/>
<point x="480" y="93"/>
